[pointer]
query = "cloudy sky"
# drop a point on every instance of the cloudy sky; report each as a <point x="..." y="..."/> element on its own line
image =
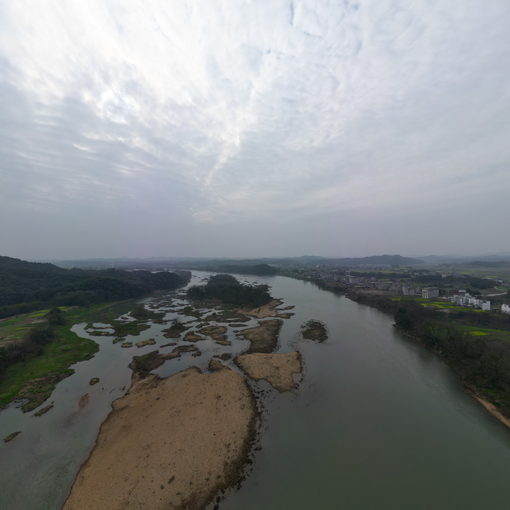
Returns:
<point x="251" y="128"/>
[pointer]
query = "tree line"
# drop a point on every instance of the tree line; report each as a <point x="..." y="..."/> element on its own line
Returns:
<point x="27" y="286"/>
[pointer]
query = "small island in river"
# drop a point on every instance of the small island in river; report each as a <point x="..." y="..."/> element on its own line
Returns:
<point x="277" y="369"/>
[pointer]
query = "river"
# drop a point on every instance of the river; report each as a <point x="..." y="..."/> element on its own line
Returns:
<point x="377" y="423"/>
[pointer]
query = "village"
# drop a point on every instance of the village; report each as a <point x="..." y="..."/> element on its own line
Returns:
<point x="486" y="294"/>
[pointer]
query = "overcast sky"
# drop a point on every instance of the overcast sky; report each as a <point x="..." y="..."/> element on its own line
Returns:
<point x="253" y="128"/>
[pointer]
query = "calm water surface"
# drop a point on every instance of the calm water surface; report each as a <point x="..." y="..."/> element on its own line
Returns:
<point x="377" y="423"/>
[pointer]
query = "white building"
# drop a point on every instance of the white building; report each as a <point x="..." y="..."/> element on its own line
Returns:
<point x="430" y="292"/>
<point x="410" y="291"/>
<point x="458" y="300"/>
<point x="505" y="308"/>
<point x="469" y="300"/>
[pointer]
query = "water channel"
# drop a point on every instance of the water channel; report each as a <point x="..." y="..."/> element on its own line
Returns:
<point x="377" y="422"/>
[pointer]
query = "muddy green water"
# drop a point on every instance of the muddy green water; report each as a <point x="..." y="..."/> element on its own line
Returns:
<point x="377" y="423"/>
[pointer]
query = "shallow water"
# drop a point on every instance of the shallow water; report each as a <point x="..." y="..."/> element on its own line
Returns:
<point x="378" y="422"/>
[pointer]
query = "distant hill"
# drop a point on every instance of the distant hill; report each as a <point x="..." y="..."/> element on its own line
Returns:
<point x="376" y="260"/>
<point x="255" y="269"/>
<point x="18" y="266"/>
<point x="477" y="260"/>
<point x="258" y="266"/>
<point x="26" y="286"/>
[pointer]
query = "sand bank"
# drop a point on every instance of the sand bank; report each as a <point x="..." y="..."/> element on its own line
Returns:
<point x="267" y="310"/>
<point x="169" y="443"/>
<point x="277" y="369"/>
<point x="492" y="409"/>
<point x="264" y="337"/>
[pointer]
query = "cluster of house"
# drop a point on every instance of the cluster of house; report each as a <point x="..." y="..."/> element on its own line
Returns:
<point x="463" y="298"/>
<point x="337" y="276"/>
<point x="426" y="293"/>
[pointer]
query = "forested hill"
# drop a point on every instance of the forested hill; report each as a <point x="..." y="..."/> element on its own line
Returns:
<point x="26" y="286"/>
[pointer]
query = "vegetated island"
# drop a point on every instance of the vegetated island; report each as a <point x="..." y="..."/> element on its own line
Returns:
<point x="314" y="330"/>
<point x="177" y="442"/>
<point x="226" y="289"/>
<point x="244" y="300"/>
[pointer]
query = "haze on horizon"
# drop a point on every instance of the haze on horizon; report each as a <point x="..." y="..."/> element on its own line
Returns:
<point x="245" y="129"/>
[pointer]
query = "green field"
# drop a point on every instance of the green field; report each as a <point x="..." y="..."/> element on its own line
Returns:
<point x="15" y="328"/>
<point x="47" y="368"/>
<point x="494" y="334"/>
<point x="438" y="305"/>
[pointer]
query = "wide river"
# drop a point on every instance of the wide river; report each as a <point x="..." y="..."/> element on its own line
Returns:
<point x="377" y="422"/>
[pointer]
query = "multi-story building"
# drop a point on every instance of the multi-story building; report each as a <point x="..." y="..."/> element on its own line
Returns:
<point x="430" y="292"/>
<point x="486" y="305"/>
<point x="467" y="299"/>
<point x="407" y="290"/>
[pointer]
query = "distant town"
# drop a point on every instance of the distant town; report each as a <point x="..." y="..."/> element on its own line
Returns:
<point x="482" y="293"/>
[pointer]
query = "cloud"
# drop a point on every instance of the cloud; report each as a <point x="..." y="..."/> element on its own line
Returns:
<point x="219" y="113"/>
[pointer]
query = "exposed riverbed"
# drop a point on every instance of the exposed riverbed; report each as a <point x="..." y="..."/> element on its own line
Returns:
<point x="377" y="422"/>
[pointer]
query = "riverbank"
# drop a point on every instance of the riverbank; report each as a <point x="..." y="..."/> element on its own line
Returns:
<point x="34" y="379"/>
<point x="492" y="395"/>
<point x="491" y="408"/>
<point x="455" y="350"/>
<point x="169" y="443"/>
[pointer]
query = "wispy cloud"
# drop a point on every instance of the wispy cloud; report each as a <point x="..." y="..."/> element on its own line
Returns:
<point x="232" y="112"/>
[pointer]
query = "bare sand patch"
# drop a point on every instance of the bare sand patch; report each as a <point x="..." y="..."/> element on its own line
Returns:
<point x="192" y="337"/>
<point x="169" y="443"/>
<point x="217" y="333"/>
<point x="267" y="310"/>
<point x="277" y="369"/>
<point x="263" y="337"/>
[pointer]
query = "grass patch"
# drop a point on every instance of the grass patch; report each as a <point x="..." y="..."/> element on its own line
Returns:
<point x="496" y="334"/>
<point x="123" y="329"/>
<point x="14" y="329"/>
<point x="439" y="305"/>
<point x="36" y="378"/>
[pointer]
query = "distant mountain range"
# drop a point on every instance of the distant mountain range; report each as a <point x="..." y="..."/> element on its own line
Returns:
<point x="488" y="259"/>
<point x="270" y="265"/>
<point x="229" y="263"/>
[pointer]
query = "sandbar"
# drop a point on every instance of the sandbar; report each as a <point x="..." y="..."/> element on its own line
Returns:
<point x="264" y="337"/>
<point x="277" y="369"/>
<point x="169" y="443"/>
